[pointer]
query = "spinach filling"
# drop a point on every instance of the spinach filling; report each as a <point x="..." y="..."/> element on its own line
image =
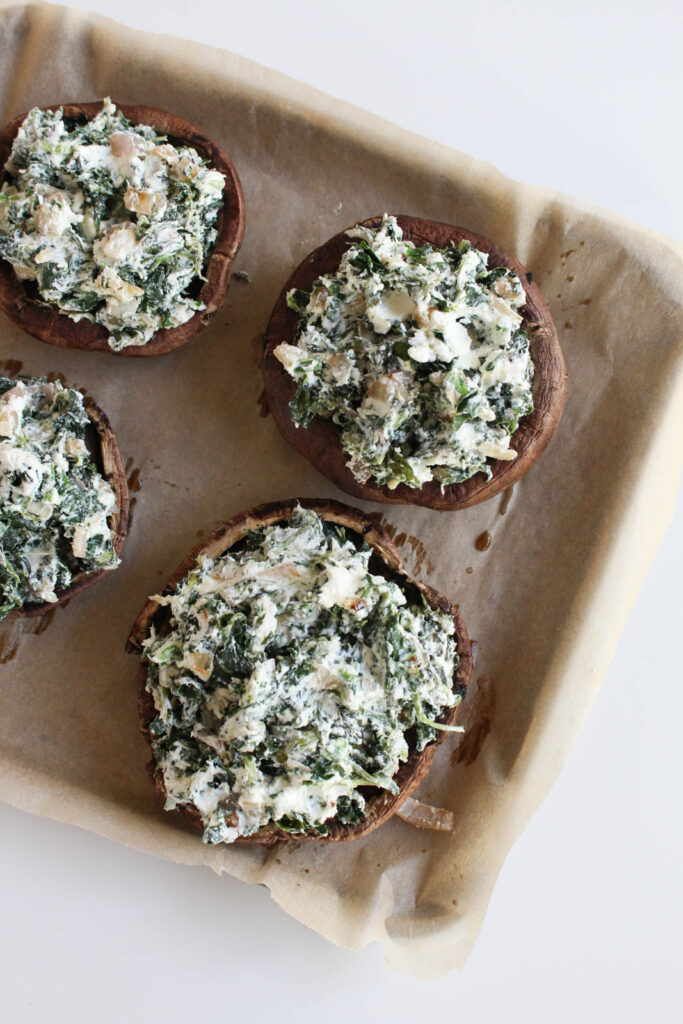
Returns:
<point x="288" y="680"/>
<point x="417" y="354"/>
<point x="112" y="222"/>
<point x="54" y="503"/>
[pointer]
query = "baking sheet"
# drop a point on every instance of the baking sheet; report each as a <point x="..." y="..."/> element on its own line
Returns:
<point x="546" y="601"/>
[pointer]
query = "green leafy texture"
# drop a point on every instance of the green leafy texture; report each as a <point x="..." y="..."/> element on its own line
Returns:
<point x="54" y="503"/>
<point x="71" y="186"/>
<point x="417" y="354"/>
<point x="288" y="681"/>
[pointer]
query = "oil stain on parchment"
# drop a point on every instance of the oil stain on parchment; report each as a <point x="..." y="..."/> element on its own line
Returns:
<point x="410" y="547"/>
<point x="479" y="722"/>
<point x="507" y="498"/>
<point x="11" y="367"/>
<point x="483" y="541"/>
<point x="134" y="481"/>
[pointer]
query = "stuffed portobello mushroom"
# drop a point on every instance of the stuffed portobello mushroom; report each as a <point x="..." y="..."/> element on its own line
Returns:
<point x="118" y="227"/>
<point x="414" y="362"/>
<point x="63" y="495"/>
<point x="295" y="681"/>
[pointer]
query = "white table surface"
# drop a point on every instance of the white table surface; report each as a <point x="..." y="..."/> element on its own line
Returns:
<point x="584" y="923"/>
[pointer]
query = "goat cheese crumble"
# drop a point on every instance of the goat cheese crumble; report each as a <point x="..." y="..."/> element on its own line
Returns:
<point x="111" y="221"/>
<point x="417" y="354"/>
<point x="54" y="503"/>
<point x="287" y="679"/>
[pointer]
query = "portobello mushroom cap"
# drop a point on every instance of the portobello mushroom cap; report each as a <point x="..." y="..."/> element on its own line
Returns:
<point x="319" y="442"/>
<point x="104" y="447"/>
<point x="380" y="804"/>
<point x="21" y="301"/>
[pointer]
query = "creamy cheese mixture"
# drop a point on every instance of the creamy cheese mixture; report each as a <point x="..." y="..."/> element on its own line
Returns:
<point x="111" y="221"/>
<point x="417" y="354"/>
<point x="287" y="680"/>
<point x="54" y="503"/>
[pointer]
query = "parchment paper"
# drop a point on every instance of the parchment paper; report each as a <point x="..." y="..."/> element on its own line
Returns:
<point x="546" y="601"/>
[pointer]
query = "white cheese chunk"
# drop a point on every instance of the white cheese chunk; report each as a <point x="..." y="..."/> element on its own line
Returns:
<point x="341" y="587"/>
<point x="12" y="405"/>
<point x="289" y="356"/>
<point x="118" y="243"/>
<point x="393" y="307"/>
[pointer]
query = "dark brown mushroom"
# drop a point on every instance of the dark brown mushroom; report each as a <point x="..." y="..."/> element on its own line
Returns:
<point x="20" y="299"/>
<point x="380" y="805"/>
<point x="105" y="449"/>
<point x="319" y="442"/>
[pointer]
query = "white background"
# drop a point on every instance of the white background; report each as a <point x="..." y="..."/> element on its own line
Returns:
<point x="584" y="924"/>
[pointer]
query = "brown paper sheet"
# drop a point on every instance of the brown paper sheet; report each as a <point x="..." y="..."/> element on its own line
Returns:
<point x="546" y="601"/>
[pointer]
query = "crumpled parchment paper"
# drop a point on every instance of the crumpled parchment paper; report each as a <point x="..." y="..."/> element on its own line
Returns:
<point x="546" y="601"/>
